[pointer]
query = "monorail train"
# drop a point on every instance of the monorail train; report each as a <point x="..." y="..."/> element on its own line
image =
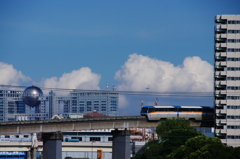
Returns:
<point x="154" y="113"/>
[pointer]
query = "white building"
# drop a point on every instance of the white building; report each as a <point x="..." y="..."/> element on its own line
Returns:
<point x="13" y="108"/>
<point x="227" y="79"/>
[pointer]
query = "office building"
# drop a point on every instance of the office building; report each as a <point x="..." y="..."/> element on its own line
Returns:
<point x="227" y="79"/>
<point x="13" y="108"/>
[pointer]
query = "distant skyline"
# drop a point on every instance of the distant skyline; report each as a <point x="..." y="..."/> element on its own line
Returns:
<point x="133" y="45"/>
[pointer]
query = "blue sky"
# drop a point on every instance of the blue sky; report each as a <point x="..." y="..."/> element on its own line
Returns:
<point x="45" y="39"/>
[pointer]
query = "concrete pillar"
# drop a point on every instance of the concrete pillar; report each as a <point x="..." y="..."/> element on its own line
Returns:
<point x="52" y="145"/>
<point x="33" y="152"/>
<point x="121" y="144"/>
<point x="29" y="154"/>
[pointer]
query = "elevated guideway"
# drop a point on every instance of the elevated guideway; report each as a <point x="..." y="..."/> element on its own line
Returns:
<point x="65" y="125"/>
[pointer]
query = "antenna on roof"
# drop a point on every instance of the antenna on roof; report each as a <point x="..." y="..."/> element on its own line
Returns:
<point x="107" y="86"/>
<point x="113" y="87"/>
<point x="142" y="103"/>
<point x="156" y="102"/>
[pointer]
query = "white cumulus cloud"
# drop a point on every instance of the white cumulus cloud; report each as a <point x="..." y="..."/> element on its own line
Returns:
<point x="83" y="78"/>
<point x="10" y="76"/>
<point x="140" y="72"/>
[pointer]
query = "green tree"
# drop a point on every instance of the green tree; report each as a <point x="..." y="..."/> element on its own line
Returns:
<point x="167" y="126"/>
<point x="173" y="133"/>
<point x="179" y="140"/>
<point x="202" y="147"/>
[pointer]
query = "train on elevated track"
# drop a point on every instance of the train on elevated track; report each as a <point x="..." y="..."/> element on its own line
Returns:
<point x="155" y="113"/>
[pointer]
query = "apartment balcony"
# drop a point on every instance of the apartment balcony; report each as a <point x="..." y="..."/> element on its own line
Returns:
<point x="220" y="102"/>
<point x="220" y="97"/>
<point x="220" y="106"/>
<point x="220" y="78"/>
<point x="221" y="54"/>
<point x="221" y="83"/>
<point x="220" y="87"/>
<point x="218" y="19"/>
<point x="221" y="27"/>
<point x="220" y="40"/>
<point x="220" y="36"/>
<point x="222" y="111"/>
<point x="220" y="73"/>
<point x="221" y="63"/>
<point x="222" y="92"/>
<point x="220" y="126"/>
<point x="220" y="116"/>
<point x="221" y="121"/>
<point x="219" y="45"/>
<point x="220" y="58"/>
<point x="221" y="31"/>
<point x="221" y="132"/>
<point x="219" y="68"/>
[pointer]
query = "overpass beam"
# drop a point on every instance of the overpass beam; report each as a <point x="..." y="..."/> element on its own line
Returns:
<point x="52" y="145"/>
<point x="121" y="144"/>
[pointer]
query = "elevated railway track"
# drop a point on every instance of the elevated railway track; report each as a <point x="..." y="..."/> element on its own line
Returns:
<point x="64" y="125"/>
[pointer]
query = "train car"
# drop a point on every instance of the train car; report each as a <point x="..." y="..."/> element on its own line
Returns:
<point x="155" y="113"/>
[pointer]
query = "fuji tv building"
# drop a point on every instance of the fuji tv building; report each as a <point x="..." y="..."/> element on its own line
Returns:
<point x="32" y="104"/>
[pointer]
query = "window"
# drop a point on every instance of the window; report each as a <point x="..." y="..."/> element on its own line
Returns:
<point x="113" y="109"/>
<point x="233" y="107"/>
<point x="96" y="108"/>
<point x="25" y="136"/>
<point x="233" y="117"/>
<point x="89" y="108"/>
<point x="74" y="109"/>
<point x="233" y="31"/>
<point x="103" y="108"/>
<point x="79" y="138"/>
<point x="233" y="68"/>
<point x="233" y="97"/>
<point x="110" y="139"/>
<point x="95" y="139"/>
<point x="233" y="40"/>
<point x="81" y="109"/>
<point x="233" y="137"/>
<point x="233" y="49"/>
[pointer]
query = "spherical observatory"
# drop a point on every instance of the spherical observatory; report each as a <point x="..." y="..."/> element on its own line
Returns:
<point x="30" y="96"/>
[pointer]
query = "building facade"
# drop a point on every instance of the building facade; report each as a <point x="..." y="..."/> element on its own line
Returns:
<point x="227" y="79"/>
<point x="13" y="108"/>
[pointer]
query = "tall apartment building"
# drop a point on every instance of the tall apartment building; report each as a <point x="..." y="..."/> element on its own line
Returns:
<point x="227" y="79"/>
<point x="12" y="105"/>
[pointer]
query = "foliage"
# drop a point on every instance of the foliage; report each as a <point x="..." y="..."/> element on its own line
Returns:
<point x="179" y="140"/>
<point x="165" y="127"/>
<point x="202" y="147"/>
